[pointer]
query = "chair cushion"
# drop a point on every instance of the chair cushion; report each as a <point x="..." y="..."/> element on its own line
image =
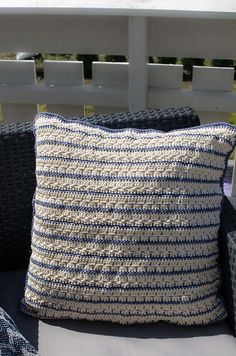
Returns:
<point x="102" y="334"/>
<point x="126" y="222"/>
<point x="12" y="289"/>
<point x="63" y="338"/>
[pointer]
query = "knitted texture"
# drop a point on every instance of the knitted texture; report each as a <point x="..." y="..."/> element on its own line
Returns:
<point x="126" y="223"/>
<point x="17" y="173"/>
<point x="12" y="342"/>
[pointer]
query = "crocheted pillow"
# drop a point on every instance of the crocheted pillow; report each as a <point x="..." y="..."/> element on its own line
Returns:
<point x="126" y="222"/>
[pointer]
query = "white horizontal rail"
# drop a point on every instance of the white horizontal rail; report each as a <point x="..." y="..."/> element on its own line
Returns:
<point x="91" y="95"/>
<point x="64" y="34"/>
<point x="198" y="99"/>
<point x="171" y="37"/>
<point x="173" y="8"/>
<point x="192" y="38"/>
<point x="71" y="94"/>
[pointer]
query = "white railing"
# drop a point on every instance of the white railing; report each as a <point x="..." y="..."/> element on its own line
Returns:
<point x="136" y="29"/>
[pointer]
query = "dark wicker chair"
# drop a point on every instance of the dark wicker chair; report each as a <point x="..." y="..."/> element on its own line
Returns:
<point x="17" y="184"/>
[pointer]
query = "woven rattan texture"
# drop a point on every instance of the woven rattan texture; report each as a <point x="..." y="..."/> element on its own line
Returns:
<point x="160" y="119"/>
<point x="126" y="223"/>
<point x="232" y="262"/>
<point x="228" y="224"/>
<point x="17" y="185"/>
<point x="17" y="173"/>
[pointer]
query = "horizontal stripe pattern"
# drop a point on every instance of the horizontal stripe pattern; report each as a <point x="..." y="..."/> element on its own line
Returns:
<point x="152" y="135"/>
<point x="125" y="210"/>
<point x="202" y="157"/>
<point x="202" y="316"/>
<point x="128" y="290"/>
<point x="150" y="240"/>
<point x="119" y="259"/>
<point x="158" y="194"/>
<point x="125" y="223"/>
<point x="129" y="149"/>
<point x="104" y="225"/>
<point x="92" y="130"/>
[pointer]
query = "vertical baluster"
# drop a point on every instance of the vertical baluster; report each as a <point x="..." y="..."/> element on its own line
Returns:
<point x="213" y="79"/>
<point x="106" y="74"/>
<point x="64" y="73"/>
<point x="138" y="58"/>
<point x="20" y="73"/>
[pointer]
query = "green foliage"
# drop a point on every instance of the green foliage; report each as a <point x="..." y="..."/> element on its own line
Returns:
<point x="111" y="58"/>
<point x="167" y="60"/>
<point x="7" y="55"/>
<point x="222" y="62"/>
<point x="188" y="63"/>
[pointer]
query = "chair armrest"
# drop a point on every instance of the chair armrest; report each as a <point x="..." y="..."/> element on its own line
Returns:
<point x="159" y="119"/>
<point x="17" y="184"/>
<point x="232" y="263"/>
<point x="228" y="260"/>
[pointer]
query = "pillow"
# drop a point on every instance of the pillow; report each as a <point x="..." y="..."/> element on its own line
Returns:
<point x="12" y="342"/>
<point x="126" y="222"/>
<point x="17" y="160"/>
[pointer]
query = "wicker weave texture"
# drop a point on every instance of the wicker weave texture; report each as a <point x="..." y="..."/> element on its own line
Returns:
<point x="232" y="262"/>
<point x="160" y="119"/>
<point x="228" y="224"/>
<point x="17" y="184"/>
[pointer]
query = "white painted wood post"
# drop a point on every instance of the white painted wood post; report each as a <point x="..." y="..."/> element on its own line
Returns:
<point x="213" y="79"/>
<point x="110" y="75"/>
<point x="138" y="58"/>
<point x="19" y="73"/>
<point x="64" y="73"/>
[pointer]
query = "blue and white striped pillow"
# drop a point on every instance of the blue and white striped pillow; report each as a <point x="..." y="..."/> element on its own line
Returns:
<point x="126" y="222"/>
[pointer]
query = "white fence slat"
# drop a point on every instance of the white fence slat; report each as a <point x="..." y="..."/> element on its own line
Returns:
<point x="165" y="76"/>
<point x="138" y="58"/>
<point x="212" y="78"/>
<point x="64" y="73"/>
<point x="110" y="74"/>
<point x="17" y="72"/>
